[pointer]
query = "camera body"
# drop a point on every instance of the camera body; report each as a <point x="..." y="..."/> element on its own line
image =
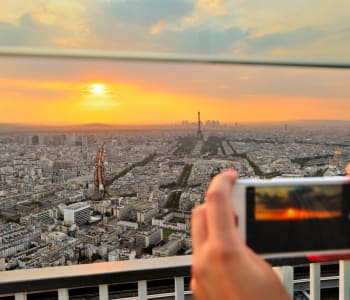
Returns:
<point x="295" y="217"/>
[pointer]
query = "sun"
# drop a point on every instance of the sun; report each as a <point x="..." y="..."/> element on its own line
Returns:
<point x="98" y="96"/>
<point x="97" y="89"/>
<point x="291" y="213"/>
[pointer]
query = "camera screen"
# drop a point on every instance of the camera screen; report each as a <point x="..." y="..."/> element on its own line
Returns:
<point x="297" y="218"/>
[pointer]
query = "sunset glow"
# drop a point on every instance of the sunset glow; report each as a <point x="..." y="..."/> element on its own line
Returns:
<point x="289" y="214"/>
<point x="97" y="89"/>
<point x="139" y="93"/>
<point x="99" y="96"/>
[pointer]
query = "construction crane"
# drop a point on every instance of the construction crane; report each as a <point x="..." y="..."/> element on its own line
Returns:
<point x="100" y="172"/>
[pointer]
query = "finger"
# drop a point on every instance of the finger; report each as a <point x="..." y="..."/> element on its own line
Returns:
<point x="348" y="169"/>
<point x="219" y="206"/>
<point x="199" y="227"/>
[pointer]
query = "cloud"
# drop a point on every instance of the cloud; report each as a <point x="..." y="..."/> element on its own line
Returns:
<point x="203" y="41"/>
<point x="271" y="28"/>
<point x="42" y="23"/>
<point x="145" y="12"/>
<point x="133" y="25"/>
<point x="269" y="44"/>
<point x="66" y="14"/>
<point x="29" y="32"/>
<point x="309" y="44"/>
<point x="277" y="28"/>
<point x="213" y="7"/>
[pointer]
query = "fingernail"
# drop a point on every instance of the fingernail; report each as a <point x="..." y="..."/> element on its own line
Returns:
<point x="232" y="172"/>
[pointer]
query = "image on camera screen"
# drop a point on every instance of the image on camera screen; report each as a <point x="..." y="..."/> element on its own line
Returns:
<point x="296" y="203"/>
<point x="296" y="218"/>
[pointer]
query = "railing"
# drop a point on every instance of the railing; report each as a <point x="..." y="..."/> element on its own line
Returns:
<point x="21" y="284"/>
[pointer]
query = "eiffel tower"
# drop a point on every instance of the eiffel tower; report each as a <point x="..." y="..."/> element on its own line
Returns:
<point x="199" y="131"/>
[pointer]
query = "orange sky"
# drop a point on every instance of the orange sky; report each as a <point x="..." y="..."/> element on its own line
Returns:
<point x="127" y="104"/>
<point x="287" y="214"/>
<point x="131" y="105"/>
<point x="162" y="94"/>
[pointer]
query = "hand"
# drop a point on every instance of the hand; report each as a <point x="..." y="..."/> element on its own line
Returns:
<point x="223" y="266"/>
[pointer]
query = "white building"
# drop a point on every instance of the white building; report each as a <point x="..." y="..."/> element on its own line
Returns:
<point x="78" y="213"/>
<point x="128" y="225"/>
<point x="175" y="243"/>
<point x="179" y="221"/>
<point x="148" y="238"/>
<point x="146" y="215"/>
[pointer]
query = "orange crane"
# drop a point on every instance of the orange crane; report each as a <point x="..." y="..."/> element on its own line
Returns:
<point x="100" y="171"/>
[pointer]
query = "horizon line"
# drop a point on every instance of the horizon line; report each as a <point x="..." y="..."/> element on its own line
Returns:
<point x="164" y="124"/>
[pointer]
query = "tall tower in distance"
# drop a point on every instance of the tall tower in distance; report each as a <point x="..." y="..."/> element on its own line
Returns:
<point x="336" y="157"/>
<point x="100" y="173"/>
<point x="199" y="131"/>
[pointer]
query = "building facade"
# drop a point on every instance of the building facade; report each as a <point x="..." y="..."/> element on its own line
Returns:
<point x="78" y="213"/>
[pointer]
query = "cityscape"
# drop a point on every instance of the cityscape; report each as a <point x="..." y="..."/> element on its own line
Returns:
<point x="96" y="192"/>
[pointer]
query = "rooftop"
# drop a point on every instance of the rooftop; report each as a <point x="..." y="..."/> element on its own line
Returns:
<point x="78" y="206"/>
